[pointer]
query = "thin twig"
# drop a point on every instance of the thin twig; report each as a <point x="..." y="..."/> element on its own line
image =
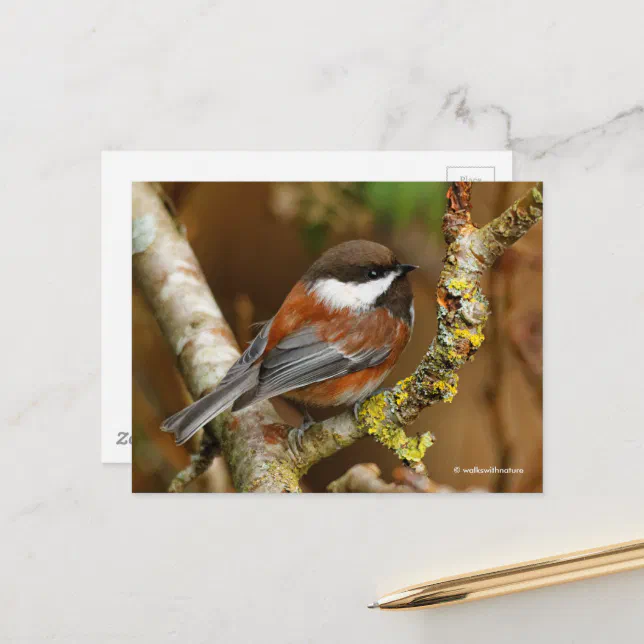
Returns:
<point x="365" y="477"/>
<point x="200" y="462"/>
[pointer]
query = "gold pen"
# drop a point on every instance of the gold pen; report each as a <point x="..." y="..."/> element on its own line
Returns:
<point x="518" y="577"/>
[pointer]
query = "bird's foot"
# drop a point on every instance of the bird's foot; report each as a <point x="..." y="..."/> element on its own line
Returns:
<point x="358" y="403"/>
<point x="296" y="434"/>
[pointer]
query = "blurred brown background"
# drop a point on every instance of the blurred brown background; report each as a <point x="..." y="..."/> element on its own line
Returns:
<point x="255" y="240"/>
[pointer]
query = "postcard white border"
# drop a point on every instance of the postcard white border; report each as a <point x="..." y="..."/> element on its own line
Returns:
<point x="120" y="169"/>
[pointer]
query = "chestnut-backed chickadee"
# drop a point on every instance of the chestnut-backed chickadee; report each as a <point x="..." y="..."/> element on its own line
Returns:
<point x="335" y="338"/>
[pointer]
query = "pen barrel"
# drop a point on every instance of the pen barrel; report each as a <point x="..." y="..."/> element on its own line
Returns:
<point x="519" y="577"/>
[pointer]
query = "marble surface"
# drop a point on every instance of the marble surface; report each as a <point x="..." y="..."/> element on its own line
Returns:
<point x="559" y="84"/>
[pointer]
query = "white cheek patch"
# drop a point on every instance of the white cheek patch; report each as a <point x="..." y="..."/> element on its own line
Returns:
<point x="351" y="295"/>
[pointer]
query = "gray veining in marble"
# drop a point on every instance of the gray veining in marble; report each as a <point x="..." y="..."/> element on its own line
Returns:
<point x="558" y="83"/>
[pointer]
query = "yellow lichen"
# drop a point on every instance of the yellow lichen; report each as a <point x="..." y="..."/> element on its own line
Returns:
<point x="476" y="339"/>
<point x="408" y="448"/>
<point x="444" y="389"/>
<point x="281" y="472"/>
<point x="372" y="411"/>
<point x="400" y="391"/>
<point x="372" y="417"/>
<point x="459" y="285"/>
<point x="450" y="356"/>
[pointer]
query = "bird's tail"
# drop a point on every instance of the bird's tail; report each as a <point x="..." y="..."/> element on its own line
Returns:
<point x="185" y="423"/>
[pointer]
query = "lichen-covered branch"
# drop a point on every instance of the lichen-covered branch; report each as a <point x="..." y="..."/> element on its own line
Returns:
<point x="254" y="440"/>
<point x="462" y="314"/>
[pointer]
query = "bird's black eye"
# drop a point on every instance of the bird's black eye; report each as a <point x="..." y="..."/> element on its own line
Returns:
<point x="372" y="274"/>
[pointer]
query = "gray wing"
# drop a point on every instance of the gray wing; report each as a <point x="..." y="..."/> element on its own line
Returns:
<point x="240" y="378"/>
<point x="253" y="352"/>
<point x="302" y="359"/>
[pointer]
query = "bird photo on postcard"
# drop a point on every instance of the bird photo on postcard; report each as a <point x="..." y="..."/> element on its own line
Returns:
<point x="336" y="337"/>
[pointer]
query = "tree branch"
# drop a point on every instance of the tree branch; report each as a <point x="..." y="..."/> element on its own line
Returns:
<point x="167" y="272"/>
<point x="462" y="314"/>
<point x="254" y="440"/>
<point x="365" y="477"/>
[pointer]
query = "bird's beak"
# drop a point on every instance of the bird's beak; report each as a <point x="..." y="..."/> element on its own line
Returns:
<point x="407" y="268"/>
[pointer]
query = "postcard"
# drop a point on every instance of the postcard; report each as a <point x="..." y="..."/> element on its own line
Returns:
<point x="376" y="334"/>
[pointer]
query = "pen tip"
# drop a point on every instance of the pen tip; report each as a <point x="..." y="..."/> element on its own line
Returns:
<point x="374" y="605"/>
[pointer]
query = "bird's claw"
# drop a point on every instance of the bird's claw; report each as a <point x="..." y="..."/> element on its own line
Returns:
<point x="296" y="434"/>
<point x="295" y="439"/>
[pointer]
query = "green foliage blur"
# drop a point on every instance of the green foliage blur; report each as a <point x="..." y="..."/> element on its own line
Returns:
<point x="390" y="204"/>
<point x="398" y="203"/>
